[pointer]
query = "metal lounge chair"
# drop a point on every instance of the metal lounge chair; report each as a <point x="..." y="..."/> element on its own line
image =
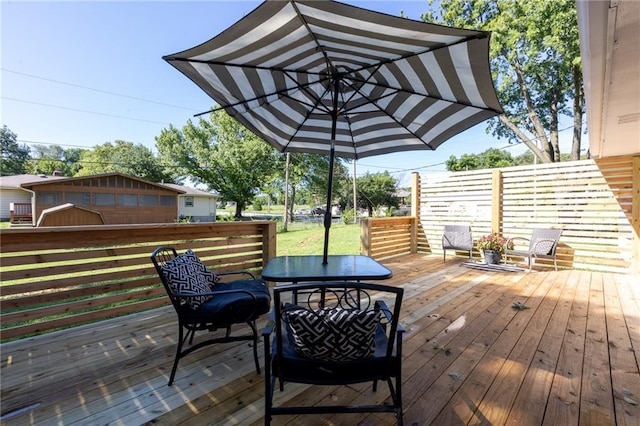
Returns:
<point x="204" y="303"/>
<point x="457" y="237"/>
<point x="542" y="245"/>
<point x="334" y="333"/>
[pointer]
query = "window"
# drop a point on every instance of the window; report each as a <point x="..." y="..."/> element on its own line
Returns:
<point x="148" y="200"/>
<point x="167" y="200"/>
<point x="78" y="198"/>
<point x="188" y="201"/>
<point x="128" y="200"/>
<point x="50" y="198"/>
<point x="103" y="199"/>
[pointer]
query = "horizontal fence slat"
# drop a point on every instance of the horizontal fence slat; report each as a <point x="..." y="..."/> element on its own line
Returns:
<point x="592" y="201"/>
<point x="51" y="275"/>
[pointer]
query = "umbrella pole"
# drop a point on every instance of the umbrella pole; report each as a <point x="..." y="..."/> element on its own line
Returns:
<point x="327" y="213"/>
<point x="335" y="80"/>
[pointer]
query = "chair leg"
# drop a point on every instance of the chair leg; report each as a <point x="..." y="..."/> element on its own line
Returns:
<point x="178" y="352"/>
<point x="252" y="324"/>
<point x="269" y="382"/>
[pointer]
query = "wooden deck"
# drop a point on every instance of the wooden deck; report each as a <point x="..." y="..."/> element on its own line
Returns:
<point x="470" y="357"/>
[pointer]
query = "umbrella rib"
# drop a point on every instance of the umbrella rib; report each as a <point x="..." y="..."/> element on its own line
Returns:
<point x="230" y="64"/>
<point x="312" y="35"/>
<point x="283" y="92"/>
<point x="374" y="102"/>
<point x="427" y="50"/>
<point x="413" y="92"/>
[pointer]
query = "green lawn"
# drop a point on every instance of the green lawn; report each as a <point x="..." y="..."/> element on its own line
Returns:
<point x="308" y="239"/>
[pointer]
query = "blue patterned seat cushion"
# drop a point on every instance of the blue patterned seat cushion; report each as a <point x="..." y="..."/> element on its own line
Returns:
<point x="187" y="275"/>
<point x="332" y="334"/>
<point x="231" y="304"/>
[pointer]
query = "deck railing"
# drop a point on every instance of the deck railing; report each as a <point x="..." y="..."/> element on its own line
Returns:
<point x="20" y="213"/>
<point x="389" y="236"/>
<point x="65" y="276"/>
<point x="58" y="277"/>
<point x="595" y="203"/>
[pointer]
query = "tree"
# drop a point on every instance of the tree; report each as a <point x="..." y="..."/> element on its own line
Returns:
<point x="309" y="174"/>
<point x="535" y="60"/>
<point x="221" y="154"/>
<point x="14" y="156"/>
<point x="126" y="158"/>
<point x="489" y="159"/>
<point x="49" y="159"/>
<point x="376" y="190"/>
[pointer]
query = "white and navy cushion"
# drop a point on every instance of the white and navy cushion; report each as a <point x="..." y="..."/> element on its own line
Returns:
<point x="186" y="274"/>
<point x="333" y="334"/>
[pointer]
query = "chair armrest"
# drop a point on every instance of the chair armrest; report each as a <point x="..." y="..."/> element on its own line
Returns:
<point x="214" y="293"/>
<point x="382" y="305"/>
<point x="268" y="328"/>
<point x="512" y="241"/>
<point x="223" y="274"/>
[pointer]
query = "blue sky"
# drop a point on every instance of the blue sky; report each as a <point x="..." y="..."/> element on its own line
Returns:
<point x="79" y="74"/>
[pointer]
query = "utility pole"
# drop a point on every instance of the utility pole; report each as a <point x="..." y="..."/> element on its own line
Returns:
<point x="355" y="201"/>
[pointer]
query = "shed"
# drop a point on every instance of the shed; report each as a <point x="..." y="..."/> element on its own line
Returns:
<point x="69" y="215"/>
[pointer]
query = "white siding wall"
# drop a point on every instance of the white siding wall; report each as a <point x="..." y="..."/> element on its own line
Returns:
<point x="8" y="196"/>
<point x="204" y="208"/>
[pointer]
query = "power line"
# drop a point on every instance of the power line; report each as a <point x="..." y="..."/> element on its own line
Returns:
<point x="98" y="90"/>
<point x="85" y="111"/>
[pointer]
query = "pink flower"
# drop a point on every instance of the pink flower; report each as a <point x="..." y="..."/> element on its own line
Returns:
<point x="495" y="242"/>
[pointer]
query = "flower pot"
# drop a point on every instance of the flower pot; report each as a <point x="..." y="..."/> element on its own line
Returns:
<point x="492" y="257"/>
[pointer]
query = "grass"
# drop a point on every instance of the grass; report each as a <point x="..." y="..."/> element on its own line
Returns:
<point x="308" y="239"/>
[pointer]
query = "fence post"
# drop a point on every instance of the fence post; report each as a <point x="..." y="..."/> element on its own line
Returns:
<point x="269" y="232"/>
<point x="415" y="211"/>
<point x="635" y="217"/>
<point x="496" y="201"/>
<point x="365" y="236"/>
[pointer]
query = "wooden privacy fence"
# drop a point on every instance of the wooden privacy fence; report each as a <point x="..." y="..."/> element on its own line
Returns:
<point x="58" y="277"/>
<point x="387" y="237"/>
<point x="595" y="203"/>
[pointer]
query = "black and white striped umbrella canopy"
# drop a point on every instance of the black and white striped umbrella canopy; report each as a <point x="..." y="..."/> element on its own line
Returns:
<point x="312" y="76"/>
<point x="324" y="77"/>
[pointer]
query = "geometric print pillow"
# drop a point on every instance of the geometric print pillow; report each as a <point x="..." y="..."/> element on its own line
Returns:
<point x="543" y="246"/>
<point x="187" y="274"/>
<point x="333" y="334"/>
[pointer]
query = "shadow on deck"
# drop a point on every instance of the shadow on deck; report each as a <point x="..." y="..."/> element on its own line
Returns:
<point x="570" y="356"/>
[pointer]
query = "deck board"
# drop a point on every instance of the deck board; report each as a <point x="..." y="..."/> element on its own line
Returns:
<point x="469" y="358"/>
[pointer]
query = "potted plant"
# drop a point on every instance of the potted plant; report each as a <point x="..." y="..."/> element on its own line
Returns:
<point x="493" y="245"/>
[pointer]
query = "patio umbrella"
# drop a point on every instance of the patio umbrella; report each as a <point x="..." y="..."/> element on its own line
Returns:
<point x="330" y="78"/>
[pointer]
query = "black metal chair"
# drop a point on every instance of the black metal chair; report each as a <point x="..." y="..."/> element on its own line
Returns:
<point x="457" y="237"/>
<point x="334" y="333"/>
<point x="542" y="245"/>
<point x="204" y="303"/>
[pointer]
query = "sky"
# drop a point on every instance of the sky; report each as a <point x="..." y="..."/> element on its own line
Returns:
<point x="80" y="74"/>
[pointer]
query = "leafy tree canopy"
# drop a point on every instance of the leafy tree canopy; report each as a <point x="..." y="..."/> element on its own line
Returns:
<point x="376" y="190"/>
<point x="221" y="154"/>
<point x="123" y="157"/>
<point x="489" y="159"/>
<point x="14" y="156"/>
<point x="49" y="159"/>
<point x="535" y="60"/>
